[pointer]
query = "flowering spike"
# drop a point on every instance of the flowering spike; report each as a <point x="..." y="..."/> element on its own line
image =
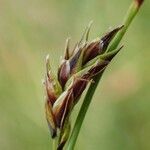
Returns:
<point x="62" y="107"/>
<point x="99" y="46"/>
<point x="48" y="68"/>
<point x="50" y="119"/>
<point x="88" y="31"/>
<point x="110" y="55"/>
<point x="74" y="61"/>
<point x="64" y="72"/>
<point x="67" y="53"/>
<point x="74" y="74"/>
<point x="67" y="108"/>
<point x="79" y="85"/>
<point x="85" y="34"/>
<point x="82" y="37"/>
<point x="52" y="85"/>
<point x="105" y="40"/>
<point x="50" y="91"/>
<point x="91" y="51"/>
<point x="99" y="67"/>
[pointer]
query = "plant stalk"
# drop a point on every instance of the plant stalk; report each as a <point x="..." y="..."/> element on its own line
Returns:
<point x="54" y="144"/>
<point x="131" y="13"/>
<point x="82" y="112"/>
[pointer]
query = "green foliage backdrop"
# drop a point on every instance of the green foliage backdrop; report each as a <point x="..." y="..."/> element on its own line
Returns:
<point x="118" y="118"/>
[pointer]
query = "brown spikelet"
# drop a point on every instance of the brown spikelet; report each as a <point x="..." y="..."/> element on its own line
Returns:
<point x="139" y="2"/>
<point x="64" y="73"/>
<point x="50" y="119"/>
<point x="99" y="46"/>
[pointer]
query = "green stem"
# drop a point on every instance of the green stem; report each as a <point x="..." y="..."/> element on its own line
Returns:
<point x="54" y="144"/>
<point x="89" y="95"/>
<point x="132" y="11"/>
<point x="82" y="113"/>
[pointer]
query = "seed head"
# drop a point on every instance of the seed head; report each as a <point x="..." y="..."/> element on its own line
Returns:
<point x="77" y="69"/>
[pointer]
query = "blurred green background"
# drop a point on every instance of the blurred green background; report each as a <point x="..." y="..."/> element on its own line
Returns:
<point x="119" y="116"/>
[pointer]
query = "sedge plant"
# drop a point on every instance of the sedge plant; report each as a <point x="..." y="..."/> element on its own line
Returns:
<point x="80" y="67"/>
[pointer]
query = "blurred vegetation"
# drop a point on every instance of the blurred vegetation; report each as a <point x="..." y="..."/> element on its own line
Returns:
<point x="118" y="118"/>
